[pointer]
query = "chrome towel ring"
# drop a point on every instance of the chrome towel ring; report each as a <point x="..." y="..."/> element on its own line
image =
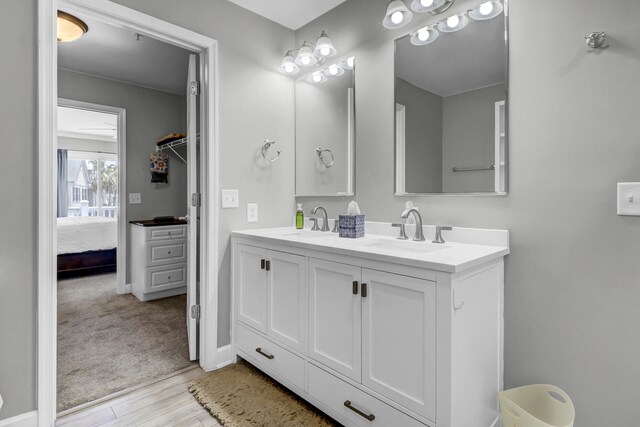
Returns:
<point x="322" y="154"/>
<point x="265" y="149"/>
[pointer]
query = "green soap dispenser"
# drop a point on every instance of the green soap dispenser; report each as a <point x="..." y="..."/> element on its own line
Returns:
<point x="299" y="217"/>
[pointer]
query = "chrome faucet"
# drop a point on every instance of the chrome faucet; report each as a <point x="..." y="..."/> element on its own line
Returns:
<point x="325" y="220"/>
<point x="419" y="236"/>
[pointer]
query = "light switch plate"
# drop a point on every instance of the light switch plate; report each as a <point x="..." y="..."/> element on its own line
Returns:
<point x="230" y="199"/>
<point x="135" y="198"/>
<point x="252" y="212"/>
<point x="629" y="198"/>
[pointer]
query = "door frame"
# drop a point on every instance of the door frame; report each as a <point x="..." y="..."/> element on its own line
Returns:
<point x="114" y="14"/>
<point x="121" y="270"/>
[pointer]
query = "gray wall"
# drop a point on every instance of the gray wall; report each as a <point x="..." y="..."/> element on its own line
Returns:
<point x="255" y="102"/>
<point x="423" y="138"/>
<point x="322" y="119"/>
<point x="573" y="276"/>
<point x="468" y="139"/>
<point x="18" y="208"/>
<point x="151" y="114"/>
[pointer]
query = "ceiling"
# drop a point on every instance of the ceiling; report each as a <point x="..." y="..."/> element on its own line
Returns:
<point x="292" y="14"/>
<point x="114" y="53"/>
<point x="469" y="59"/>
<point x="86" y="124"/>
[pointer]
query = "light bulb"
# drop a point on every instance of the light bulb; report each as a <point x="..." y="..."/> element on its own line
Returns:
<point x="453" y="21"/>
<point x="288" y="68"/>
<point x="397" y="17"/>
<point x="350" y="62"/>
<point x="325" y="51"/>
<point x="317" y="78"/>
<point x="486" y="8"/>
<point x="333" y="70"/>
<point x="426" y="3"/>
<point x="305" y="60"/>
<point x="423" y="35"/>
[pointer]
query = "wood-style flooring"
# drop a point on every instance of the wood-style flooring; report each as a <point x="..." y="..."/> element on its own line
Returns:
<point x="164" y="403"/>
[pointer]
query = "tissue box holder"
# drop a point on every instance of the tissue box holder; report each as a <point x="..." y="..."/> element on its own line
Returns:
<point x="351" y="226"/>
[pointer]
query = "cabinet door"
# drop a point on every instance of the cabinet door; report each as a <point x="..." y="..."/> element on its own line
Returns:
<point x="334" y="316"/>
<point x="399" y="339"/>
<point x="251" y="287"/>
<point x="287" y="301"/>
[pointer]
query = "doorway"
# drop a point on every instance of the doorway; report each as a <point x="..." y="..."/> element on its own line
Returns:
<point x="145" y="26"/>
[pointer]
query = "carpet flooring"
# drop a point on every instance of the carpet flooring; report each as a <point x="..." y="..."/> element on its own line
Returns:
<point x="109" y="342"/>
<point x="239" y="395"/>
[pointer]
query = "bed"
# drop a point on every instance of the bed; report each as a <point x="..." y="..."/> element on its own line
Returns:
<point x="86" y="245"/>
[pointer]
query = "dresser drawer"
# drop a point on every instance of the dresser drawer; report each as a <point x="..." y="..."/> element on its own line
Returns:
<point x="281" y="361"/>
<point x="165" y="233"/>
<point x="166" y="252"/>
<point x="353" y="404"/>
<point x="165" y="277"/>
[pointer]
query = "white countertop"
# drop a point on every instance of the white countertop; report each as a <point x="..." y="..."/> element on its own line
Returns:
<point x="452" y="256"/>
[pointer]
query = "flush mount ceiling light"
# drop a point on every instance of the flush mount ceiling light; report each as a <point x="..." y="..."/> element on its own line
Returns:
<point x="70" y="28"/>
<point x="397" y="15"/>
<point x="288" y="65"/>
<point x="424" y="36"/>
<point x="324" y="47"/>
<point x="453" y="23"/>
<point x="432" y="6"/>
<point x="348" y="63"/>
<point x="486" y="10"/>
<point x="317" y="78"/>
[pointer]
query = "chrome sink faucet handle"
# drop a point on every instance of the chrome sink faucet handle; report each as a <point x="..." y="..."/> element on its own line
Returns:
<point x="419" y="236"/>
<point x="315" y="224"/>
<point x="403" y="234"/>
<point x="336" y="223"/>
<point x="325" y="221"/>
<point x="439" y="230"/>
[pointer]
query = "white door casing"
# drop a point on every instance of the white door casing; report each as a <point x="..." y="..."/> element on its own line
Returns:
<point x="334" y="316"/>
<point x="192" y="209"/>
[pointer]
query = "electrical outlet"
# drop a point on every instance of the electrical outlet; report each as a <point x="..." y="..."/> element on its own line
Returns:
<point x="135" y="198"/>
<point x="230" y="199"/>
<point x="252" y="212"/>
<point x="629" y="198"/>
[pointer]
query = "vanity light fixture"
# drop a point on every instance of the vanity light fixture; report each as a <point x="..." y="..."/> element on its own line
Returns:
<point x="305" y="55"/>
<point x="288" y="65"/>
<point x="486" y="10"/>
<point x="348" y="63"/>
<point x="397" y="15"/>
<point x="333" y="70"/>
<point x="453" y="23"/>
<point x="424" y="36"/>
<point x="70" y="28"/>
<point x="317" y="78"/>
<point x="324" y="47"/>
<point x="434" y="7"/>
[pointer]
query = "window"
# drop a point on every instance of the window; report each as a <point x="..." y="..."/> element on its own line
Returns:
<point x="92" y="181"/>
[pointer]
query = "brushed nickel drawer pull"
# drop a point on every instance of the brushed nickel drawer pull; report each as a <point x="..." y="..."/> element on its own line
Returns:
<point x="268" y="356"/>
<point x="369" y="417"/>
<point x="355" y="287"/>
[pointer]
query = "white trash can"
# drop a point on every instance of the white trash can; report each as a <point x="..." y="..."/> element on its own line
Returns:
<point x="538" y="405"/>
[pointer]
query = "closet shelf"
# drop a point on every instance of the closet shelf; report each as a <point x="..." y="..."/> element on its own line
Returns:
<point x="172" y="145"/>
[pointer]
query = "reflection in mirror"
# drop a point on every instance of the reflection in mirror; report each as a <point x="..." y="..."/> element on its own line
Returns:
<point x="450" y="107"/>
<point x="325" y="130"/>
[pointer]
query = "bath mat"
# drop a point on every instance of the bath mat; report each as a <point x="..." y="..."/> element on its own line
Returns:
<point x="241" y="396"/>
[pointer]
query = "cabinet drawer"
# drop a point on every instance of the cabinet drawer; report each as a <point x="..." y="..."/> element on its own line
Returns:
<point x="276" y="358"/>
<point x="166" y="252"/>
<point x="337" y="394"/>
<point x="165" y="277"/>
<point x="165" y="233"/>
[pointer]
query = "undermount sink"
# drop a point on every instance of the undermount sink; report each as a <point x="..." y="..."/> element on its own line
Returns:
<point x="403" y="245"/>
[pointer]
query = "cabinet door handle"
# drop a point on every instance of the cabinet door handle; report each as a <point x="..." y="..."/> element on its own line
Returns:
<point x="262" y="263"/>
<point x="268" y="265"/>
<point x="369" y="417"/>
<point x="355" y="287"/>
<point x="268" y="356"/>
<point x="364" y="290"/>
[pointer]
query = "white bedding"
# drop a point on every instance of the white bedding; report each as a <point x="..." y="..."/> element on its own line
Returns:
<point x="78" y="234"/>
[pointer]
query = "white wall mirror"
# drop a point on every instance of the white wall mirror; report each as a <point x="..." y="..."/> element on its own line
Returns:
<point x="325" y="130"/>
<point x="451" y="105"/>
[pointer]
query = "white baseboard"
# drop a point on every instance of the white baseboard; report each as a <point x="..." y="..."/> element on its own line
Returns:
<point x="224" y="356"/>
<point x="28" y="419"/>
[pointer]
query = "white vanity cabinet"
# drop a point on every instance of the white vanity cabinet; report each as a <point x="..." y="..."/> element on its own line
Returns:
<point x="371" y="341"/>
